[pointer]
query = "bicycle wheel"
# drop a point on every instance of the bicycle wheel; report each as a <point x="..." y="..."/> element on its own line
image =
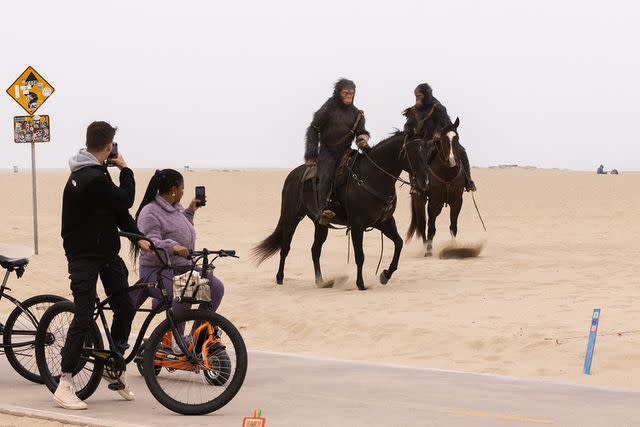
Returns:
<point x="209" y="383"/>
<point x="21" y="330"/>
<point x="50" y="339"/>
<point x="138" y="360"/>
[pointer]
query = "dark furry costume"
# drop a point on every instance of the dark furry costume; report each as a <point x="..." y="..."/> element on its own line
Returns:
<point x="424" y="120"/>
<point x="331" y="131"/>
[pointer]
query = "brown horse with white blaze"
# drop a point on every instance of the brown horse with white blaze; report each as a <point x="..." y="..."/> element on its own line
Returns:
<point x="446" y="186"/>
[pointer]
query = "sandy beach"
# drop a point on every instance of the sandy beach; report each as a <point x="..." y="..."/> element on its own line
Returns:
<point x="559" y="244"/>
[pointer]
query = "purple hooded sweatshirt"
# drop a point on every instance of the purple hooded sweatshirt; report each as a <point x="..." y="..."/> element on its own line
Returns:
<point x="168" y="225"/>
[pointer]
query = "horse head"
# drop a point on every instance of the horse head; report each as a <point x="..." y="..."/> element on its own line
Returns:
<point x="416" y="161"/>
<point x="447" y="143"/>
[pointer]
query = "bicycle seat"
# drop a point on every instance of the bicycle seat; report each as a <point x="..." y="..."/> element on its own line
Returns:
<point x="10" y="263"/>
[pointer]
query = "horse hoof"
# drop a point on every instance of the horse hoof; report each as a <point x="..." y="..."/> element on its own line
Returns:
<point x="428" y="254"/>
<point x="362" y="287"/>
<point x="383" y="278"/>
<point x="279" y="281"/>
<point x="324" y="285"/>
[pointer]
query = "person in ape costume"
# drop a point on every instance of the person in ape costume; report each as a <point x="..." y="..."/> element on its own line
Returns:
<point x="424" y="119"/>
<point x="329" y="136"/>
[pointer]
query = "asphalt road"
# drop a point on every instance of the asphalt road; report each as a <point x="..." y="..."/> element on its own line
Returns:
<point x="301" y="391"/>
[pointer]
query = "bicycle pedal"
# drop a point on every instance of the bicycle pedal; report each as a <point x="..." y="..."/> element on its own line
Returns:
<point x="116" y="386"/>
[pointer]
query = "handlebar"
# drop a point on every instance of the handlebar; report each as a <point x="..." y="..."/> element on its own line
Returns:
<point x="221" y="253"/>
<point x="205" y="252"/>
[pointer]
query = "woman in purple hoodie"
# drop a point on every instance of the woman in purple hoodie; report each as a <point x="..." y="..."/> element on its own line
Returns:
<point x="168" y="225"/>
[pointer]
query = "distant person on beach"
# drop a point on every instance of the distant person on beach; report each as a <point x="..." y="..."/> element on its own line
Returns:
<point x="426" y="117"/>
<point x="601" y="170"/>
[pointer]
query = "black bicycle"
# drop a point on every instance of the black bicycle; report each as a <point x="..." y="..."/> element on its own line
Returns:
<point x="202" y="351"/>
<point x="19" y="331"/>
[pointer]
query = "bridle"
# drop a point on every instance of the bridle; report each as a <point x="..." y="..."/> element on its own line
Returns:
<point x="403" y="151"/>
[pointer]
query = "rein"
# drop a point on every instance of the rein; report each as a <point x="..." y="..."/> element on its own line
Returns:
<point x="403" y="149"/>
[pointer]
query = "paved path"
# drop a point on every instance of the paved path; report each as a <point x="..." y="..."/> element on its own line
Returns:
<point x="301" y="391"/>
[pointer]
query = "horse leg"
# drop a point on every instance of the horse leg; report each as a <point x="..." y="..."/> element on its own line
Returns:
<point x="433" y="210"/>
<point x="319" y="238"/>
<point x="454" y="211"/>
<point x="287" y="236"/>
<point x="390" y="230"/>
<point x="357" y="237"/>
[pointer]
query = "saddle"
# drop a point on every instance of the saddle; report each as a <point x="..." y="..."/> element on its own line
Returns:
<point x="345" y="163"/>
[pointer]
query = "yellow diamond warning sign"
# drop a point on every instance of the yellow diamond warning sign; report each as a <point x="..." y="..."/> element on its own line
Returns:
<point x="30" y="90"/>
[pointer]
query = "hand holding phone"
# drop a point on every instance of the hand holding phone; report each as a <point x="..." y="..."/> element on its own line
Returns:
<point x="113" y="155"/>
<point x="201" y="196"/>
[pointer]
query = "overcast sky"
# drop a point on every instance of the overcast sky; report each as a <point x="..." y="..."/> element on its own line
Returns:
<point x="234" y="84"/>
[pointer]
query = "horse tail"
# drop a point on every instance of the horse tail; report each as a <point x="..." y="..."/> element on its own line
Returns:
<point x="269" y="246"/>
<point x="417" y="213"/>
<point x="413" y="225"/>
<point x="289" y="212"/>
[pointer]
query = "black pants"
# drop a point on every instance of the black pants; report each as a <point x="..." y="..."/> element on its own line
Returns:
<point x="84" y="277"/>
<point x="326" y="172"/>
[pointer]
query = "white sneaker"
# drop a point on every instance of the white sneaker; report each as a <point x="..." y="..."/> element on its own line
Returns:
<point x="65" y="396"/>
<point x="125" y="392"/>
<point x="176" y="350"/>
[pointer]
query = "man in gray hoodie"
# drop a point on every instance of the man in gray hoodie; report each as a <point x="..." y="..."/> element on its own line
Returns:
<point x="93" y="209"/>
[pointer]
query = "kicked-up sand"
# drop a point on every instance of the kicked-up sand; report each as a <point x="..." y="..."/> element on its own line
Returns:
<point x="559" y="244"/>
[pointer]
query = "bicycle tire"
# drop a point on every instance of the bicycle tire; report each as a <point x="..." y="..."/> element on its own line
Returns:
<point x="93" y="338"/>
<point x="19" y="365"/>
<point x="138" y="360"/>
<point x="234" y="385"/>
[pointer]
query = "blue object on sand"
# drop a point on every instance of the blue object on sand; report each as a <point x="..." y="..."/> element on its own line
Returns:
<point x="593" y="331"/>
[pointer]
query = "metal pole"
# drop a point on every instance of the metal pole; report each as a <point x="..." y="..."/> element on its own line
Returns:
<point x="35" y="197"/>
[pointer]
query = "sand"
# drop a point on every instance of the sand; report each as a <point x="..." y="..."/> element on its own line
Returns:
<point x="559" y="244"/>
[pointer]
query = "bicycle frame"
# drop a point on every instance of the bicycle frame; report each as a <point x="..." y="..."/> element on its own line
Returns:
<point x="165" y="306"/>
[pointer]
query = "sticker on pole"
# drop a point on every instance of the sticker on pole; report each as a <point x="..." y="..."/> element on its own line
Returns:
<point x="30" y="90"/>
<point x="28" y="129"/>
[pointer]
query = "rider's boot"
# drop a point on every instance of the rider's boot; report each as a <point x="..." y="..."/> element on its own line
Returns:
<point x="326" y="216"/>
<point x="469" y="185"/>
<point x="326" y="213"/>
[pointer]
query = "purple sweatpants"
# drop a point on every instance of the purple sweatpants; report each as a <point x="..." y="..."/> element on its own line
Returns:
<point x="150" y="274"/>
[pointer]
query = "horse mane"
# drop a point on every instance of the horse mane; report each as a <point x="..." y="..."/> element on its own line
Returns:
<point x="386" y="141"/>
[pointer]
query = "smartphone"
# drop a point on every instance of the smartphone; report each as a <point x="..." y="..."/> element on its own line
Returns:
<point x="113" y="154"/>
<point x="200" y="195"/>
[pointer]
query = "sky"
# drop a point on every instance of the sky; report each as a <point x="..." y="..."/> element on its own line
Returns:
<point x="235" y="84"/>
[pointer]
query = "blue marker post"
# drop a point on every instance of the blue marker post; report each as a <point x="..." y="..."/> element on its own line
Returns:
<point x="592" y="340"/>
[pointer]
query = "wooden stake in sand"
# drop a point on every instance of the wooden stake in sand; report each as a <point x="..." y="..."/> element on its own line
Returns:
<point x="592" y="340"/>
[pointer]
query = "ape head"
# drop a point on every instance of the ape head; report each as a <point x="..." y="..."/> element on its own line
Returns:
<point x="424" y="95"/>
<point x="344" y="91"/>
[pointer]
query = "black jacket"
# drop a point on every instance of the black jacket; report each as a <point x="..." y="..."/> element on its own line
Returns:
<point x="424" y="122"/>
<point x="331" y="128"/>
<point x="93" y="208"/>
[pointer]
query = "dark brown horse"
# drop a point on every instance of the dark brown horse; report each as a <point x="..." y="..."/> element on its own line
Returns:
<point x="446" y="185"/>
<point x="365" y="195"/>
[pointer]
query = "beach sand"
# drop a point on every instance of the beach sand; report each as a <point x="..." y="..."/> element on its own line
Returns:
<point x="559" y="244"/>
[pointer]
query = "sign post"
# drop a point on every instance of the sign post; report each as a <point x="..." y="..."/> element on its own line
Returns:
<point x="30" y="91"/>
<point x="593" y="332"/>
